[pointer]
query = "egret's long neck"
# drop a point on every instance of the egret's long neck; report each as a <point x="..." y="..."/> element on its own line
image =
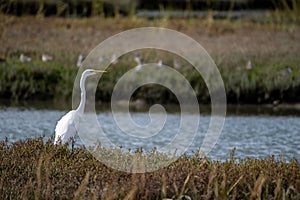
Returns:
<point x="83" y="95"/>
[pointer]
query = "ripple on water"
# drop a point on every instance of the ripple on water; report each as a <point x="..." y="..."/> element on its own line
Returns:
<point x="252" y="136"/>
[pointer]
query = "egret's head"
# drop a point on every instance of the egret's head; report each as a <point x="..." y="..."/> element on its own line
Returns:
<point x="89" y="72"/>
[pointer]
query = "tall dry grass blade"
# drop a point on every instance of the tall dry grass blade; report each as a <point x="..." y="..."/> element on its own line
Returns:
<point x="143" y="182"/>
<point x="223" y="186"/>
<point x="232" y="155"/>
<point x="233" y="186"/>
<point x="216" y="189"/>
<point x="24" y="193"/>
<point x="81" y="189"/>
<point x="136" y="182"/>
<point x="175" y="188"/>
<point x="211" y="178"/>
<point x="38" y="190"/>
<point x="108" y="193"/>
<point x="256" y="192"/>
<point x="141" y="178"/>
<point x="1" y="183"/>
<point x="183" y="188"/>
<point x="277" y="191"/>
<point x="164" y="186"/>
<point x="47" y="173"/>
<point x="132" y="193"/>
<point x="234" y="194"/>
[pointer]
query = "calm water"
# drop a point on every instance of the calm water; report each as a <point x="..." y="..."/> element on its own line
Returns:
<point x="255" y="135"/>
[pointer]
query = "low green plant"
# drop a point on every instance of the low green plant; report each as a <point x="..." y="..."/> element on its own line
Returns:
<point x="55" y="81"/>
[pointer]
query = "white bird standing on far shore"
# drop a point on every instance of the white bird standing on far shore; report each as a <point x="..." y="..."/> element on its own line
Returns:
<point x="46" y="58"/>
<point x="114" y="59"/>
<point x="160" y="64"/>
<point x="176" y="64"/>
<point x="249" y="65"/>
<point x="24" y="58"/>
<point x="80" y="60"/>
<point x="139" y="60"/>
<point x="65" y="128"/>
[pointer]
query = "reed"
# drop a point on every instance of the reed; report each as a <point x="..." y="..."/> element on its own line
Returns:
<point x="74" y="173"/>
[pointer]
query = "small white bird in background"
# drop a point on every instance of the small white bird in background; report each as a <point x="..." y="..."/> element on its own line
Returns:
<point x="65" y="128"/>
<point x="80" y="60"/>
<point x="139" y="60"/>
<point x="114" y="59"/>
<point x="24" y="58"/>
<point x="288" y="70"/>
<point x="160" y="64"/>
<point x="176" y="64"/>
<point x="46" y="58"/>
<point x="249" y="65"/>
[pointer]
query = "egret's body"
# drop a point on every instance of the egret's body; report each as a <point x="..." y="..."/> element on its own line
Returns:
<point x="65" y="128"/>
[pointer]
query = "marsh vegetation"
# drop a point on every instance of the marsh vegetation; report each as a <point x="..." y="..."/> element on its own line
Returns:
<point x="273" y="76"/>
<point x="258" y="57"/>
<point x="37" y="169"/>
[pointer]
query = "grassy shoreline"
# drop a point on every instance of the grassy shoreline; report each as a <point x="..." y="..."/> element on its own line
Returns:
<point x="53" y="81"/>
<point x="37" y="169"/>
<point x="271" y="46"/>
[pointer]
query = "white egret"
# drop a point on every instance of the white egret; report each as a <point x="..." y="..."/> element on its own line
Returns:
<point x="176" y="64"/>
<point x="160" y="63"/>
<point x="249" y="65"/>
<point x="65" y="127"/>
<point x="80" y="60"/>
<point x="139" y="60"/>
<point x="288" y="70"/>
<point x="24" y="58"/>
<point x="114" y="59"/>
<point x="46" y="58"/>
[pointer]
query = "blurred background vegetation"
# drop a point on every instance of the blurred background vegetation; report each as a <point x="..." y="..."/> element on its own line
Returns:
<point x="87" y="8"/>
<point x="234" y="32"/>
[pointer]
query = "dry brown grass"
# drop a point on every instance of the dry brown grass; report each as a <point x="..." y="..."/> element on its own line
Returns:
<point x="34" y="169"/>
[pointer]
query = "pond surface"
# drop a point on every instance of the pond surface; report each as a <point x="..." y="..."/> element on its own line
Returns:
<point x="255" y="135"/>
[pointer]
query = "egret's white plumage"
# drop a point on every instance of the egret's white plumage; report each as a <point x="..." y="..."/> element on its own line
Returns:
<point x="65" y="128"/>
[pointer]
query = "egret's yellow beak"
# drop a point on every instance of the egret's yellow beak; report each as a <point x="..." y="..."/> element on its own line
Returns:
<point x="99" y="71"/>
